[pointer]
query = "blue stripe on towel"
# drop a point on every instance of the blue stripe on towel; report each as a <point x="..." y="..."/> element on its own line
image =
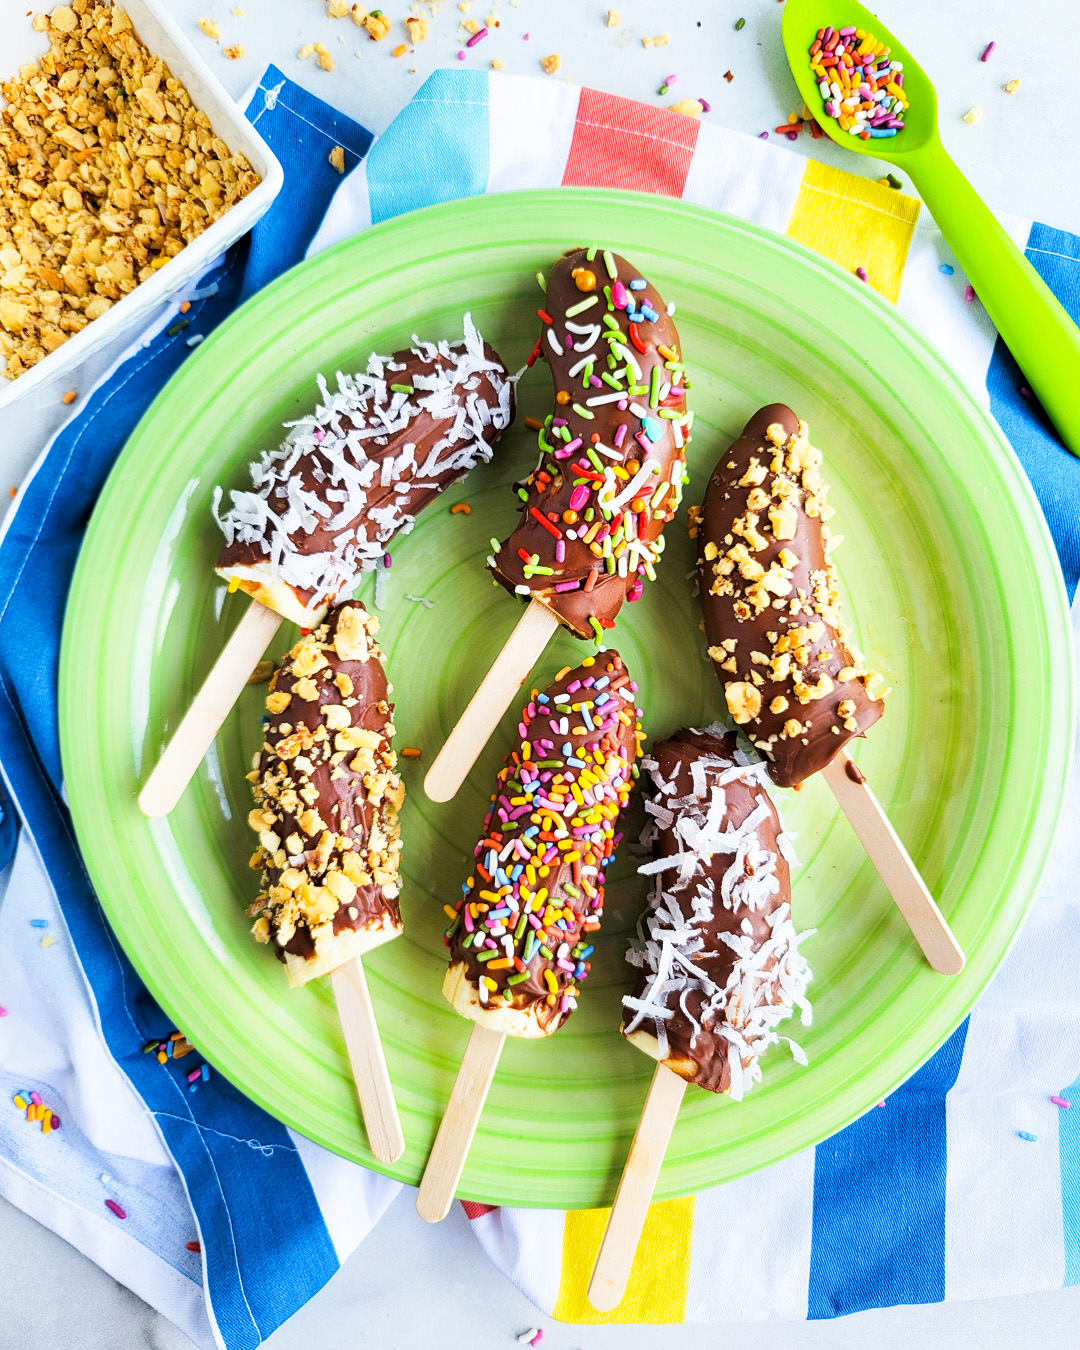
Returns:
<point x="1069" y="1159"/>
<point x="1054" y="472"/>
<point x="879" y="1199"/>
<point x="435" y="150"/>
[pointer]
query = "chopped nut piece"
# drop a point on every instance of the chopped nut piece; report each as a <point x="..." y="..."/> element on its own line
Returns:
<point x="418" y="29"/>
<point x="236" y="52"/>
<point x="660" y="41"/>
<point x="778" y="705"/>
<point x="63" y="19"/>
<point x="743" y="701"/>
<point x="613" y="18"/>
<point x="337" y="9"/>
<point x="210" y="28"/>
<point x="550" y="64"/>
<point x="1011" y="86"/>
<point x="337" y="158"/>
<point x="377" y="25"/>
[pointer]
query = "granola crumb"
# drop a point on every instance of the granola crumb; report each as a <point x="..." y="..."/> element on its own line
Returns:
<point x="497" y="64"/>
<point x="550" y="64"/>
<point x="236" y="51"/>
<point x="337" y="158"/>
<point x="210" y="28"/>
<point x="417" y="28"/>
<point x="337" y="9"/>
<point x="1012" y="86"/>
<point x="359" y="14"/>
<point x="661" y="41"/>
<point x="377" y="25"/>
<point x="614" y="18"/>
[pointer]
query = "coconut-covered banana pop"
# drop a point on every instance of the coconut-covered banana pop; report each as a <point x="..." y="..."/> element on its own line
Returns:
<point x="356" y="472"/>
<point x="772" y="610"/>
<point x="717" y="949"/>
<point x="327" y="796"/>
<point x="521" y="934"/>
<point x="612" y="452"/>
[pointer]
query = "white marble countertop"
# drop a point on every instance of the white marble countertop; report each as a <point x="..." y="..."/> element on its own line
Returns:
<point x="1021" y="156"/>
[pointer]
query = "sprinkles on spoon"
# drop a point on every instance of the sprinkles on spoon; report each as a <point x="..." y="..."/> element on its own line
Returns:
<point x="863" y="89"/>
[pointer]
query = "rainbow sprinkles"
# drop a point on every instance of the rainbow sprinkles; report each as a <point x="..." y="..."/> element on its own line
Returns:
<point x="863" y="89"/>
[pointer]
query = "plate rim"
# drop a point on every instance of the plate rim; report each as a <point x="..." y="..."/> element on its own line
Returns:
<point x="1000" y="457"/>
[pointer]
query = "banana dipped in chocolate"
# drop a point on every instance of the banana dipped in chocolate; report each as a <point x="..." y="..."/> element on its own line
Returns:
<point x="612" y="452"/>
<point x="327" y="795"/>
<point x="522" y="932"/>
<point x="359" y="470"/>
<point x="772" y="609"/>
<point x="718" y="954"/>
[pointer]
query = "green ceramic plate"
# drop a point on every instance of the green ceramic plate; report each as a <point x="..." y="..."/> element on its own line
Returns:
<point x="953" y="590"/>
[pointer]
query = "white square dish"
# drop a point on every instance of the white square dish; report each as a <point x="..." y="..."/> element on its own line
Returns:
<point x="20" y="43"/>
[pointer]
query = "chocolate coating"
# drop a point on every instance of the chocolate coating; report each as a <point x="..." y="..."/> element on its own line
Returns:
<point x="717" y="948"/>
<point x="568" y="489"/>
<point x="772" y="610"/>
<point x="554" y="816"/>
<point x="326" y="781"/>
<point x="324" y="507"/>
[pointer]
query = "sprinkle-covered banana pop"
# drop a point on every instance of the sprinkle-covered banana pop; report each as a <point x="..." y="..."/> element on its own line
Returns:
<point x="522" y="932"/>
<point x="611" y="473"/>
<point x="521" y="935"/>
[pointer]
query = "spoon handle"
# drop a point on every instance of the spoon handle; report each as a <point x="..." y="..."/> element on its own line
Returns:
<point x="1030" y="319"/>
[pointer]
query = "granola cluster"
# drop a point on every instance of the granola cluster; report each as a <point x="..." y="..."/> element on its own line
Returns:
<point x="107" y="170"/>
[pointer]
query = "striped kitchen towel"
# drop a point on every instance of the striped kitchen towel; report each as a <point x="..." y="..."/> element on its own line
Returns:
<point x="936" y="1196"/>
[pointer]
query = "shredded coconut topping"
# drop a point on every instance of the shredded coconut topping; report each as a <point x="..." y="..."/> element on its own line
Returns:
<point x="769" y="979"/>
<point x="338" y="446"/>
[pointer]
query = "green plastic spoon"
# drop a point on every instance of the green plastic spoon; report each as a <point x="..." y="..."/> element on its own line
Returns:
<point x="1036" y="329"/>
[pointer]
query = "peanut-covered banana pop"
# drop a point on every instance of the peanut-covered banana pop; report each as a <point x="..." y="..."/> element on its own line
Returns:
<point x="772" y="609"/>
<point x="612" y="453"/>
<point x="327" y="796"/>
<point x="358" y="471"/>
<point x="717" y="949"/>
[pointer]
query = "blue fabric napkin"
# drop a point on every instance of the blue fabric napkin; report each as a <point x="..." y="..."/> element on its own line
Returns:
<point x="266" y="1248"/>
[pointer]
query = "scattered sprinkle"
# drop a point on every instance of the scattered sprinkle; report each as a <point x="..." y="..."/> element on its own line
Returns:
<point x="193" y="1246"/>
<point x="538" y="1337"/>
<point x="973" y="115"/>
<point x="13" y="492"/>
<point x="3" y="1012"/>
<point x="1060" y="1101"/>
<point x="461" y="56"/>
<point x="461" y="509"/>
<point x="739" y="25"/>
<point x="947" y="269"/>
<point x="1025" y="392"/>
<point x="39" y="923"/>
<point x="403" y="47"/>
<point x="881" y="1103"/>
<point x="969" y="293"/>
<point x="111" y="1204"/>
<point x="860" y="272"/>
<point x="892" y="181"/>
<point x="185" y="306"/>
<point x="337" y="158"/>
<point x="526" y="1336"/>
<point x="707" y="107"/>
<point x="175" y="329"/>
<point x="69" y="397"/>
<point x="1011" y="86"/>
<point x="550" y="64"/>
<point x="986" y="53"/>
<point x="1031" y="1138"/>
<point x="477" y="37"/>
<point x="412" y="752"/>
<point x="104" y="1178"/>
<point x="195" y="339"/>
<point x="763" y="136"/>
<point x="861" y="86"/>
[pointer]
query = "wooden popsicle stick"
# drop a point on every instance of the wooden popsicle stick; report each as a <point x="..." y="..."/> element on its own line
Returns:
<point x="634" y="1196"/>
<point x="511" y="668"/>
<point x="370" y="1074"/>
<point x="446" y="1162"/>
<point x="888" y="854"/>
<point x="209" y="709"/>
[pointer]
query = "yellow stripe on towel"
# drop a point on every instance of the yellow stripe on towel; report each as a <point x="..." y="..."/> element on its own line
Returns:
<point x="856" y="223"/>
<point x="656" y="1291"/>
